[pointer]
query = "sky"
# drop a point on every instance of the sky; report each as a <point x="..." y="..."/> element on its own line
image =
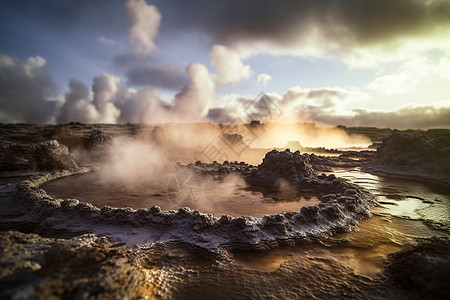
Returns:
<point x="383" y="63"/>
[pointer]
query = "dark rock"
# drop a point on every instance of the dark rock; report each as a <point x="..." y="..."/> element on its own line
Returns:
<point x="43" y="156"/>
<point x="84" y="267"/>
<point x="158" y="135"/>
<point x="421" y="154"/>
<point x="97" y="139"/>
<point x="292" y="167"/>
<point x="423" y="268"/>
<point x="233" y="139"/>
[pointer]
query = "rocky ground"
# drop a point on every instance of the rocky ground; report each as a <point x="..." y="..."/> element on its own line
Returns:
<point x="90" y="267"/>
<point x="84" y="267"/>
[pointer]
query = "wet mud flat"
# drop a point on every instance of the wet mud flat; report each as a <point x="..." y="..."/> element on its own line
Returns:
<point x="394" y="248"/>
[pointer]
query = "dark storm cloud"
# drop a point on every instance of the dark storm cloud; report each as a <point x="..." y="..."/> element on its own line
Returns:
<point x="341" y="24"/>
<point x="24" y="86"/>
<point x="128" y="60"/>
<point x="282" y="21"/>
<point x="168" y="77"/>
<point x="65" y="13"/>
<point x="346" y="22"/>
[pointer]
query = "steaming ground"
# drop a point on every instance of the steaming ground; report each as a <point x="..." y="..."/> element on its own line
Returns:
<point x="189" y="253"/>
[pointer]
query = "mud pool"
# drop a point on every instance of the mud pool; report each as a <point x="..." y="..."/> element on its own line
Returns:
<point x="231" y="196"/>
<point x="407" y="208"/>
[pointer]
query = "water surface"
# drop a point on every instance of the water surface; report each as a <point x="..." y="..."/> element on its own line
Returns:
<point x="230" y="196"/>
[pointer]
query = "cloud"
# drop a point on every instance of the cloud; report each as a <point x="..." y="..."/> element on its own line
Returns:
<point x="264" y="79"/>
<point x="129" y="61"/>
<point x="229" y="66"/>
<point x="191" y="104"/>
<point x="25" y="86"/>
<point x="359" y="32"/>
<point x="145" y="107"/>
<point x="411" y="73"/>
<point x="240" y="109"/>
<point x="442" y="69"/>
<point x="144" y="22"/>
<point x="106" y="15"/>
<point x="109" y="102"/>
<point x="297" y="104"/>
<point x="195" y="99"/>
<point x="313" y="105"/>
<point x="78" y="107"/>
<point x="105" y="41"/>
<point x="24" y="90"/>
<point x="325" y="106"/>
<point x="112" y="102"/>
<point x="221" y="115"/>
<point x="167" y="77"/>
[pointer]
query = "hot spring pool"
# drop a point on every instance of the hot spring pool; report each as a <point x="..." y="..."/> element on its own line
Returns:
<point x="230" y="196"/>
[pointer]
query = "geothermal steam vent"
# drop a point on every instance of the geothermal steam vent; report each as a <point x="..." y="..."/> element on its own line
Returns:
<point x="341" y="205"/>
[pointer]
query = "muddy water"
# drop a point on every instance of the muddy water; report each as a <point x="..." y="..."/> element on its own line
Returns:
<point x="172" y="191"/>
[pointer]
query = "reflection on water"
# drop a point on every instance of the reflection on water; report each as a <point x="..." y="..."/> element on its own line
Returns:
<point x="229" y="196"/>
<point x="362" y="250"/>
<point x="396" y="222"/>
<point x="405" y="197"/>
<point x="407" y="207"/>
